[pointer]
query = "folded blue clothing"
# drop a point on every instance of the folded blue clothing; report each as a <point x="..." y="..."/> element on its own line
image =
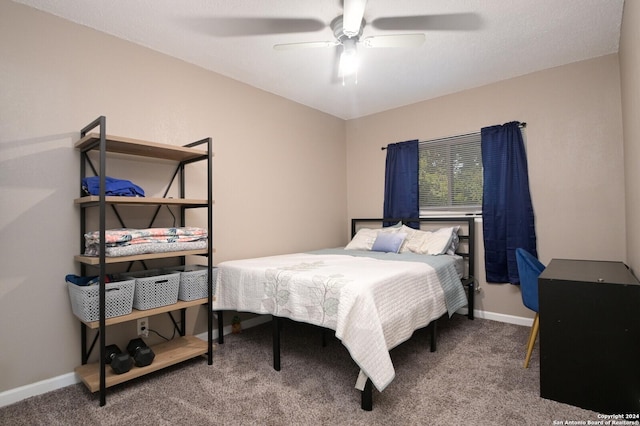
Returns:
<point x="113" y="186"/>
<point x="78" y="280"/>
<point x="83" y="281"/>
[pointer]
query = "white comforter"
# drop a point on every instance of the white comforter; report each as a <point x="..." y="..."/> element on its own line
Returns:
<point x="373" y="305"/>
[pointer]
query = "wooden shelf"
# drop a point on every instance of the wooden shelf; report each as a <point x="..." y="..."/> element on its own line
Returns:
<point x="116" y="147"/>
<point x="95" y="260"/>
<point x="167" y="354"/>
<point x="135" y="313"/>
<point x="94" y="200"/>
<point x="142" y="148"/>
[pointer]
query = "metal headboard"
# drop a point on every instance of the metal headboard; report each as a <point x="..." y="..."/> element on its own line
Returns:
<point x="466" y="249"/>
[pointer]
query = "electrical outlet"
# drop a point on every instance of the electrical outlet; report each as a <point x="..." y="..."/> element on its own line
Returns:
<point x="143" y="327"/>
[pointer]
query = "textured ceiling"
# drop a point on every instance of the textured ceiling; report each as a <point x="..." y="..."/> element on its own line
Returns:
<point x="235" y="38"/>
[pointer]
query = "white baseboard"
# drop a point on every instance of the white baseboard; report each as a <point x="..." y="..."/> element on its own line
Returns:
<point x="510" y="319"/>
<point x="23" y="392"/>
<point x="12" y="396"/>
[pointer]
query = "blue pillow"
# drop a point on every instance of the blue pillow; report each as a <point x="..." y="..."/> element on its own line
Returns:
<point x="389" y="242"/>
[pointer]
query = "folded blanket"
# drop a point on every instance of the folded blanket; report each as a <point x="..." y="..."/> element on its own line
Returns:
<point x="137" y="249"/>
<point x="113" y="186"/>
<point x="127" y="236"/>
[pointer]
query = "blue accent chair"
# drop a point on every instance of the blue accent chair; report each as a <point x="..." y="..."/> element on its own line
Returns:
<point x="529" y="269"/>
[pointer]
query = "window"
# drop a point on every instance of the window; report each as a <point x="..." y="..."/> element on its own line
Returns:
<point x="450" y="174"/>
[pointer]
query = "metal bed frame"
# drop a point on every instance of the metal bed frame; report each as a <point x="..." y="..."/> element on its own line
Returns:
<point x="466" y="249"/>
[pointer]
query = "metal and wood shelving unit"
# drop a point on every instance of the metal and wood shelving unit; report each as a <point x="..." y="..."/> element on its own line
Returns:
<point x="95" y="375"/>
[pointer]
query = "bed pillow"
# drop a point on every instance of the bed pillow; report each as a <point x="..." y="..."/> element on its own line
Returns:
<point x="412" y="236"/>
<point x="389" y="242"/>
<point x="439" y="241"/>
<point x="429" y="242"/>
<point x="363" y="240"/>
<point x="418" y="242"/>
<point x="455" y="241"/>
<point x="365" y="237"/>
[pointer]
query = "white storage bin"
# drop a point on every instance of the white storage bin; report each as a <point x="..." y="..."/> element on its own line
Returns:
<point x="85" y="300"/>
<point x="193" y="282"/>
<point x="155" y="289"/>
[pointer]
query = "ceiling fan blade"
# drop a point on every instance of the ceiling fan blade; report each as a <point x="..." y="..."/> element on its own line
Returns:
<point x="234" y="27"/>
<point x="398" y="40"/>
<point x="446" y="22"/>
<point x="352" y="16"/>
<point x="305" y="45"/>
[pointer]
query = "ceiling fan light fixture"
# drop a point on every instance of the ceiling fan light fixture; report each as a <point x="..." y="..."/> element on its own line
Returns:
<point x="349" y="58"/>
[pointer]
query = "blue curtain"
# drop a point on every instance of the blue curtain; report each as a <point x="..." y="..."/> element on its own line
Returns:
<point x="401" y="182"/>
<point x="507" y="212"/>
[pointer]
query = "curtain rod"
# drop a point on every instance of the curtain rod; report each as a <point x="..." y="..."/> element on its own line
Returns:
<point x="521" y="125"/>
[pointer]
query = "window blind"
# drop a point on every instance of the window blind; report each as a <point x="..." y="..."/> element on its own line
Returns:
<point x="450" y="173"/>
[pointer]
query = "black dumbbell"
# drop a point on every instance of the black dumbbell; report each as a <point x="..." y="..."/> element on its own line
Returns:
<point x="120" y="362"/>
<point x="141" y="353"/>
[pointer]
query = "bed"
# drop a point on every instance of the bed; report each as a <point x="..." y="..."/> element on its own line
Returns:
<point x="373" y="293"/>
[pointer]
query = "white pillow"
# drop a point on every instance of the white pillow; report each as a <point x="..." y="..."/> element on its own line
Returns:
<point x="409" y="240"/>
<point x="418" y="241"/>
<point x="428" y="242"/>
<point x="439" y="241"/>
<point x="363" y="240"/>
<point x="365" y="237"/>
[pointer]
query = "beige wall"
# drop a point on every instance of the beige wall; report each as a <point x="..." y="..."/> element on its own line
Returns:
<point x="630" y="83"/>
<point x="278" y="165"/>
<point x="574" y="147"/>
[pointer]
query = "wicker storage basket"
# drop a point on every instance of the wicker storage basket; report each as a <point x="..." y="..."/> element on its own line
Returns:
<point x="193" y="282"/>
<point x="155" y="289"/>
<point x="85" y="300"/>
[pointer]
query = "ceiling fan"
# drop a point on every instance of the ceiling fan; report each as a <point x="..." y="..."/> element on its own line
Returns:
<point x="348" y="29"/>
